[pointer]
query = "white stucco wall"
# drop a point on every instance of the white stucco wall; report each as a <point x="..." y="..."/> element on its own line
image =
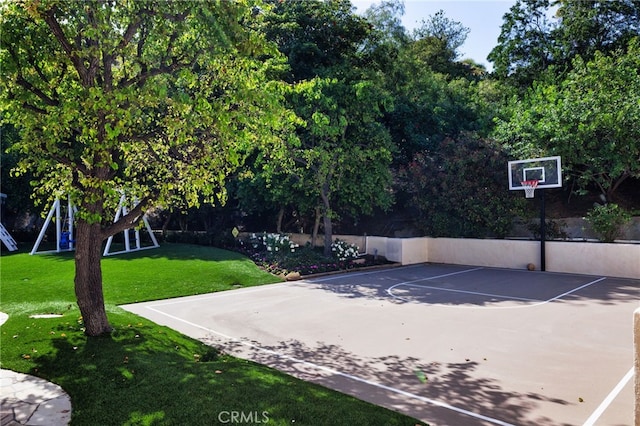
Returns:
<point x="615" y="260"/>
<point x="496" y="253"/>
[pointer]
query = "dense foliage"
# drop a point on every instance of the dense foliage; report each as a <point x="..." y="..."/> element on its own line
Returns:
<point x="607" y="220"/>
<point x="590" y="117"/>
<point x="159" y="100"/>
<point x="458" y="190"/>
<point x="539" y="34"/>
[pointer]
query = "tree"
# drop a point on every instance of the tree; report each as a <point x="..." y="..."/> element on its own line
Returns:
<point x="534" y="37"/>
<point x="591" y="118"/>
<point x="386" y="37"/>
<point x="428" y="106"/>
<point x="526" y="46"/>
<point x="268" y="189"/>
<point x="587" y="27"/>
<point x="438" y="40"/>
<point x="160" y="100"/>
<point x="342" y="154"/>
<point x="459" y="190"/>
<point x="316" y="36"/>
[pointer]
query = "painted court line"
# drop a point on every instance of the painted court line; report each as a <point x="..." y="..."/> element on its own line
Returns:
<point x="575" y="289"/>
<point x="390" y="289"/>
<point x="336" y="372"/>
<point x="609" y="399"/>
<point x="442" y="276"/>
<point x="539" y="302"/>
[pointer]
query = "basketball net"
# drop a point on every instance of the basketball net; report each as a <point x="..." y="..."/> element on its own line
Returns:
<point x="529" y="187"/>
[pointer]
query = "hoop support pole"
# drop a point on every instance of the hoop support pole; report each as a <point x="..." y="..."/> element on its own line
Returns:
<point x="543" y="226"/>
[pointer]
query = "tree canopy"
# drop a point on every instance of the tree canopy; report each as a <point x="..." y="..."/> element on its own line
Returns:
<point x="342" y="152"/>
<point x="591" y="118"/>
<point x="538" y="34"/>
<point x="158" y="100"/>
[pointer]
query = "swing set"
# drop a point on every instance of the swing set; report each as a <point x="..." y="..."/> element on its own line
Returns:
<point x="63" y="218"/>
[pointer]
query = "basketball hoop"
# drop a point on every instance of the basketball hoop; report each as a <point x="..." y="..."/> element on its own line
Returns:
<point x="529" y="187"/>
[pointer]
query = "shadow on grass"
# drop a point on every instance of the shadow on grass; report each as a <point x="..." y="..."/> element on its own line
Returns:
<point x="146" y="374"/>
<point x="177" y="251"/>
<point x="407" y="384"/>
<point x="171" y="251"/>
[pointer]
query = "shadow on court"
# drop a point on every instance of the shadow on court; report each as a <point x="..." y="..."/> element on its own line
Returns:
<point x="475" y="286"/>
<point x="454" y="384"/>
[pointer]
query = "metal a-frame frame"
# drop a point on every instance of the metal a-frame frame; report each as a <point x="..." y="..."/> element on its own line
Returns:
<point x="65" y="238"/>
<point x="121" y="211"/>
<point x="61" y="236"/>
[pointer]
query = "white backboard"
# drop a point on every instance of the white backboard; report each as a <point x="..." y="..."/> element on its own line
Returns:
<point x="547" y="171"/>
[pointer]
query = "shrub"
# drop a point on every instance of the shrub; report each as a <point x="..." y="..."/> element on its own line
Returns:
<point x="306" y="260"/>
<point x="342" y="250"/>
<point x="273" y="243"/>
<point x="607" y="220"/>
<point x="456" y="189"/>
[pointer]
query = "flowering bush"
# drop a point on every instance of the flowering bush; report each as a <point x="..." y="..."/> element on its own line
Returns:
<point x="343" y="250"/>
<point x="278" y="255"/>
<point x="273" y="243"/>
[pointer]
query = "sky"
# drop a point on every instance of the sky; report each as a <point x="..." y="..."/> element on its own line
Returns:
<point x="482" y="17"/>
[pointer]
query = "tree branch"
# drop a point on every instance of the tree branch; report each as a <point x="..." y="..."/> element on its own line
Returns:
<point x="57" y="31"/>
<point x="141" y="78"/>
<point x="33" y="108"/>
<point x="168" y="64"/>
<point x="129" y="220"/>
<point x="30" y="87"/>
<point x="39" y="93"/>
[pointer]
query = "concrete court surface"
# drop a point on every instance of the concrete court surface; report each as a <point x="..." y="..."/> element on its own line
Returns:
<point x="447" y="344"/>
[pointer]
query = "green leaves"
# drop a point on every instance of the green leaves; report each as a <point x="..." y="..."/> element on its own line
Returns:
<point x="543" y="35"/>
<point x="459" y="190"/>
<point x="162" y="99"/>
<point x="607" y="221"/>
<point x="590" y="118"/>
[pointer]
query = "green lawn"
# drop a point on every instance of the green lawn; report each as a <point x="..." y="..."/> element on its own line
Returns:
<point x="145" y="374"/>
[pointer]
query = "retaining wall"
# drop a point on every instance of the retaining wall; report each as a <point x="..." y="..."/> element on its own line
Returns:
<point x="614" y="260"/>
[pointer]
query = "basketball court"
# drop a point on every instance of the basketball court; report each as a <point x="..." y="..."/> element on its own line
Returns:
<point x="446" y="344"/>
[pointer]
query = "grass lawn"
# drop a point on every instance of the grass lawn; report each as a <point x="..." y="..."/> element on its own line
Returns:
<point x="145" y="374"/>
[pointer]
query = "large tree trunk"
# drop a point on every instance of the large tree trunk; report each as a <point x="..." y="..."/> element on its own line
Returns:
<point x="279" y="220"/>
<point x="316" y="226"/>
<point x="326" y="218"/>
<point x="328" y="234"/>
<point x="88" y="280"/>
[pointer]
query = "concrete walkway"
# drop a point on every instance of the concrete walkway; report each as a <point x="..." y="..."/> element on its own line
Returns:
<point x="29" y="400"/>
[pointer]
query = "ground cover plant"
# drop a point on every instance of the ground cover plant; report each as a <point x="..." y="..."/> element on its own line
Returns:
<point x="277" y="254"/>
<point x="145" y="374"/>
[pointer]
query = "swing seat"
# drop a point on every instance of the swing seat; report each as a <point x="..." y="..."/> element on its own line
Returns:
<point x="65" y="240"/>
